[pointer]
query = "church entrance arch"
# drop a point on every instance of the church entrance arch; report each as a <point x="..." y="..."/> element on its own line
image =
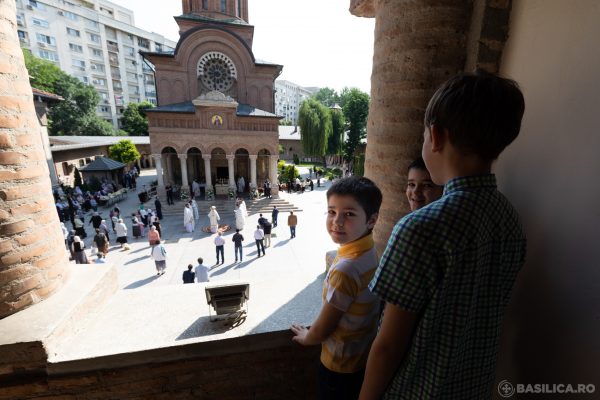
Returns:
<point x="218" y="166"/>
<point x="171" y="166"/>
<point x="262" y="166"/>
<point x="195" y="165"/>
<point x="242" y="167"/>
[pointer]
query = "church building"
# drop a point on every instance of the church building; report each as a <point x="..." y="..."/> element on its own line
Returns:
<point x="215" y="121"/>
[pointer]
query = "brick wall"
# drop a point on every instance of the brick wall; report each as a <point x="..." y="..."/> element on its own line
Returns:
<point x="275" y="369"/>
<point x="32" y="255"/>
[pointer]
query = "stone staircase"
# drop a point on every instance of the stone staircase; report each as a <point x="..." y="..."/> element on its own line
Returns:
<point x="225" y="207"/>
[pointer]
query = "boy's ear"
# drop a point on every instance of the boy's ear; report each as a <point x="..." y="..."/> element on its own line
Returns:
<point x="372" y="220"/>
<point x="439" y="138"/>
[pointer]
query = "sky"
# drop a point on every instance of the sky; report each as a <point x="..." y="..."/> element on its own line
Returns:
<point x="318" y="42"/>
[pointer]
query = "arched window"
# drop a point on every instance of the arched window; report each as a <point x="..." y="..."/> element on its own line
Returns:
<point x="205" y="4"/>
<point x="223" y="6"/>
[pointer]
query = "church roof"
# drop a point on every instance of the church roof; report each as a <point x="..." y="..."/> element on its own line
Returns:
<point x="243" y="110"/>
<point x="289" y="132"/>
<point x="102" y="164"/>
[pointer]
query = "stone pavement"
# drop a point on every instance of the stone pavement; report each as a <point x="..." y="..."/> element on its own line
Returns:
<point x="152" y="311"/>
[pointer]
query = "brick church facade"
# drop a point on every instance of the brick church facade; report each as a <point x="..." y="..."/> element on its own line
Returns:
<point x="215" y="121"/>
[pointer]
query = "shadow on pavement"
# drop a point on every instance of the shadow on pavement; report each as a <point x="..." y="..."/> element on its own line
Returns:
<point x="282" y="242"/>
<point x="222" y="270"/>
<point x="203" y="326"/>
<point x="244" y="264"/>
<point x="137" y="259"/>
<point x="141" y="282"/>
<point x="284" y="315"/>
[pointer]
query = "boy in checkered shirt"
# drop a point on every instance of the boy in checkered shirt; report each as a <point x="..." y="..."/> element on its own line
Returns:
<point x="449" y="267"/>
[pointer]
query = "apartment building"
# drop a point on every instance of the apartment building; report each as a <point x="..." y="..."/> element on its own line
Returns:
<point x="97" y="42"/>
<point x="288" y="97"/>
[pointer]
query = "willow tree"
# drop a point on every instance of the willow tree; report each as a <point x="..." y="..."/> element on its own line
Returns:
<point x="336" y="139"/>
<point x="315" y="124"/>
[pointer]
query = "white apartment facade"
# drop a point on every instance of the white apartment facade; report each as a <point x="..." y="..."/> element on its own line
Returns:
<point x="288" y="98"/>
<point x="97" y="42"/>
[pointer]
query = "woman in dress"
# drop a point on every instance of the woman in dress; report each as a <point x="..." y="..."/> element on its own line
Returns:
<point x="153" y="235"/>
<point x="79" y="251"/>
<point x="121" y="231"/>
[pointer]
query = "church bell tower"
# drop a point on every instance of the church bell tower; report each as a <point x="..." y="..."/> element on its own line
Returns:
<point x="217" y="9"/>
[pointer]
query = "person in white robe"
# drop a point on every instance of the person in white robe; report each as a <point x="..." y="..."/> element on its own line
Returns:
<point x="213" y="217"/>
<point x="195" y="209"/>
<point x="240" y="219"/>
<point x="241" y="184"/>
<point x="188" y="218"/>
<point x="195" y="189"/>
<point x="244" y="209"/>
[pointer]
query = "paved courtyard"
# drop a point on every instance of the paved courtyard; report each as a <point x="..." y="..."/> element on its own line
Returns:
<point x="151" y="311"/>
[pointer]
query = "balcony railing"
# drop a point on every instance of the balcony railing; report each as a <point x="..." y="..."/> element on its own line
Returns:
<point x="112" y="47"/>
<point x="113" y="61"/>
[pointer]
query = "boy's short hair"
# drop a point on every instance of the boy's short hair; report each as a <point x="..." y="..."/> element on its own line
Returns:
<point x="482" y="112"/>
<point x="418" y="163"/>
<point x="200" y="260"/>
<point x="362" y="189"/>
<point x="190" y="266"/>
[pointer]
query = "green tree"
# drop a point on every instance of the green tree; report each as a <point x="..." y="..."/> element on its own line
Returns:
<point x="336" y="139"/>
<point x="327" y="96"/>
<point x="42" y="73"/>
<point x="134" y="120"/>
<point x="123" y="151"/>
<point x="77" y="178"/>
<point x="315" y="127"/>
<point x="355" y="104"/>
<point x="76" y="114"/>
<point x="285" y="122"/>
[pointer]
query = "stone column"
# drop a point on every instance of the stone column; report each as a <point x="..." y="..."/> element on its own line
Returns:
<point x="184" y="176"/>
<point x="170" y="175"/>
<point x="33" y="258"/>
<point x="423" y="57"/>
<point x="253" y="158"/>
<point x="207" y="173"/>
<point x="159" y="170"/>
<point x="230" y="158"/>
<point x="273" y="174"/>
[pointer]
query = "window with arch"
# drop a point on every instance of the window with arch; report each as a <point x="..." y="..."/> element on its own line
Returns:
<point x="205" y="4"/>
<point x="223" y="6"/>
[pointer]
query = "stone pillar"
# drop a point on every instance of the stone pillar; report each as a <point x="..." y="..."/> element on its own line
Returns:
<point x="207" y="173"/>
<point x="184" y="176"/>
<point x="33" y="258"/>
<point x="170" y="175"/>
<point x="273" y="174"/>
<point x="159" y="170"/>
<point x="423" y="57"/>
<point x="230" y="158"/>
<point x="253" y="169"/>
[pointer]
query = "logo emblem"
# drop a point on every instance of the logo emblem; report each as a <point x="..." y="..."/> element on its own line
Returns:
<point x="506" y="389"/>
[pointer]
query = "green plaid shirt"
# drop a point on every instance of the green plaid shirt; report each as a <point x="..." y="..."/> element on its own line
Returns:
<point x="453" y="262"/>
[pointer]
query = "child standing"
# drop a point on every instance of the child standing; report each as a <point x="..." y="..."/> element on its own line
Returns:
<point x="449" y="267"/>
<point x="347" y="322"/>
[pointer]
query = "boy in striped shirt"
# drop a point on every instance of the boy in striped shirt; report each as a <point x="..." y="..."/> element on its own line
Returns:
<point x="347" y="322"/>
